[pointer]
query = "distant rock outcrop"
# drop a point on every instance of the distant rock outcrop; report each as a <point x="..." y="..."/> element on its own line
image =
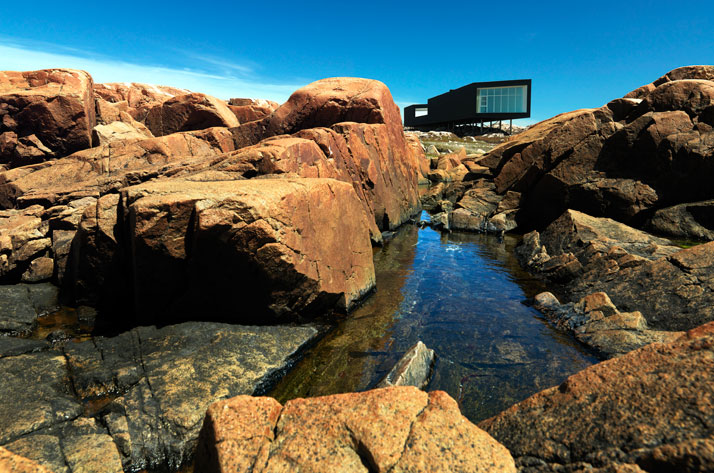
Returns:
<point x="44" y="115"/>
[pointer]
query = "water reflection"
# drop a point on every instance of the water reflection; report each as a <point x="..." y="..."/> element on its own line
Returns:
<point x="461" y="294"/>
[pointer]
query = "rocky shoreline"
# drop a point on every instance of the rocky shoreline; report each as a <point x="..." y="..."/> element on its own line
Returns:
<point x="179" y="216"/>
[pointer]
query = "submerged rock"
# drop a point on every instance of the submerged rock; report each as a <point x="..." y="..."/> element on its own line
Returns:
<point x="392" y="429"/>
<point x="651" y="408"/>
<point x="412" y="369"/>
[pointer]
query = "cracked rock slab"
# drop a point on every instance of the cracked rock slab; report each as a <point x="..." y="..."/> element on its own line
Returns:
<point x="392" y="429"/>
<point x="159" y="382"/>
<point x="22" y="304"/>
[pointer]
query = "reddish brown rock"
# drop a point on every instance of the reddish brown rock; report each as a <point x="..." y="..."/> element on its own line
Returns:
<point x="11" y="463"/>
<point x="114" y="123"/>
<point x="44" y="115"/>
<point x="338" y="99"/>
<point x="624" y="160"/>
<point x="248" y="110"/>
<point x="247" y="250"/>
<point x="187" y="113"/>
<point x="96" y="171"/>
<point x="652" y="407"/>
<point x="395" y="429"/>
<point x="137" y="98"/>
<point x="24" y="237"/>
<point x="596" y="322"/>
<point x="419" y="159"/>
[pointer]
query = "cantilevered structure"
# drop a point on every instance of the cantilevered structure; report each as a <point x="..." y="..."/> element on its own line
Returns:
<point x="472" y="104"/>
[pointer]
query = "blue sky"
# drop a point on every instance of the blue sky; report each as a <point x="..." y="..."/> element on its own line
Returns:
<point x="579" y="54"/>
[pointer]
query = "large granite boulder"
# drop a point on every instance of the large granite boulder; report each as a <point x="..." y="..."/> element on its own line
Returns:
<point x="637" y="154"/>
<point x="354" y="121"/>
<point x="44" y="114"/>
<point x="398" y="429"/>
<point x="652" y="408"/>
<point x="137" y="98"/>
<point x="326" y="102"/>
<point x="187" y="113"/>
<point x="247" y="250"/>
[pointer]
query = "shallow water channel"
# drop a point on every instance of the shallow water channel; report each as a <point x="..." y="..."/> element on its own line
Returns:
<point x="462" y="295"/>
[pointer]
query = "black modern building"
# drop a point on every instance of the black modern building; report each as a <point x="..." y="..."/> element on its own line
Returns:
<point x="472" y="104"/>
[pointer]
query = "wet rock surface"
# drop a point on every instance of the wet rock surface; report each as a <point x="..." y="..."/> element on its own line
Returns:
<point x="391" y="429"/>
<point x="22" y="304"/>
<point x="651" y="408"/>
<point x="136" y="400"/>
<point x="413" y="369"/>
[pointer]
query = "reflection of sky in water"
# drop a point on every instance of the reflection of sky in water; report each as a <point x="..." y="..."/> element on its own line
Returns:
<point x="461" y="294"/>
<point x="466" y="305"/>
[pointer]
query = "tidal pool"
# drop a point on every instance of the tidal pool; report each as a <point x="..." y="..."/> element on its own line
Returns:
<point x="462" y="295"/>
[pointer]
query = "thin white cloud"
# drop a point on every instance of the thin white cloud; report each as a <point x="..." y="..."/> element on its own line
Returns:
<point x="19" y="56"/>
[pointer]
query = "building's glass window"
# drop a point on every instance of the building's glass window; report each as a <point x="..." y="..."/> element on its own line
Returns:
<point x="502" y="99"/>
<point x="421" y="112"/>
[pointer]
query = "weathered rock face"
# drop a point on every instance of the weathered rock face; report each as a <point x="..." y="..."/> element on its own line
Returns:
<point x="392" y="429"/>
<point x="11" y="463"/>
<point x="623" y="160"/>
<point x="596" y="322"/>
<point x="134" y="401"/>
<point x="640" y="272"/>
<point x="692" y="220"/>
<point x="365" y="134"/>
<point x="187" y="113"/>
<point x="419" y="158"/>
<point x="249" y="110"/>
<point x="97" y="171"/>
<point x="651" y="408"/>
<point x="44" y="115"/>
<point x="280" y="252"/>
<point x="137" y="98"/>
<point x="114" y="123"/>
<point x="22" y="304"/>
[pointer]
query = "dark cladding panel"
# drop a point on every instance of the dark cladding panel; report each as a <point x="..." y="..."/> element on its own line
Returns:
<point x="479" y="101"/>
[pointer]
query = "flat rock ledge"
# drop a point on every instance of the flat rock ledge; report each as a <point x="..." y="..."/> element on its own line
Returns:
<point x="396" y="429"/>
<point x="135" y="401"/>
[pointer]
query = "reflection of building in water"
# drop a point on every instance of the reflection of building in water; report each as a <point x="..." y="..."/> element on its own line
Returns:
<point x="470" y="107"/>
